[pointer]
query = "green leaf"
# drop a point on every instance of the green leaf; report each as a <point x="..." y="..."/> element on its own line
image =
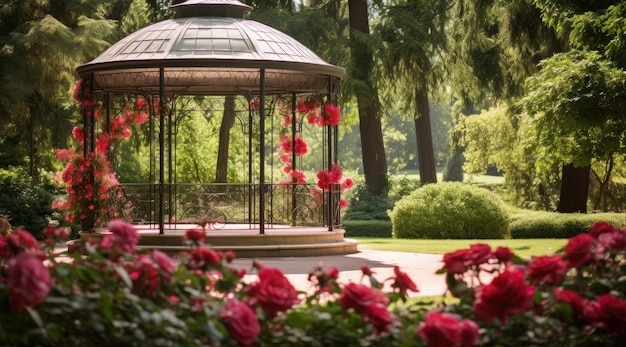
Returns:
<point x="124" y="276"/>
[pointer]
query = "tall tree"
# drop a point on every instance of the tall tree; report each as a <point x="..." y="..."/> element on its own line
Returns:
<point x="596" y="26"/>
<point x="228" y="120"/>
<point x="41" y="43"/>
<point x="361" y="59"/>
<point x="495" y="46"/>
<point x="411" y="36"/>
<point x="578" y="100"/>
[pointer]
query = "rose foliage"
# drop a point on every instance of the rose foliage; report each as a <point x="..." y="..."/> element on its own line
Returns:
<point x="118" y="295"/>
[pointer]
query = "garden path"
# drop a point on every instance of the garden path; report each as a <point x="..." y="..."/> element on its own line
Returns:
<point x="420" y="267"/>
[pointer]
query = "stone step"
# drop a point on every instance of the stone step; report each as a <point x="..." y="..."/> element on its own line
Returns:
<point x="346" y="246"/>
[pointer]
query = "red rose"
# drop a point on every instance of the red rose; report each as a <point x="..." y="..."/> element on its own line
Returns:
<point x="504" y="254"/>
<point x="480" y="253"/>
<point x="546" y="269"/>
<point x="403" y="282"/>
<point x="367" y="271"/>
<point x="612" y="314"/>
<point x="145" y="277"/>
<point x="599" y="228"/>
<point x="202" y="258"/>
<point x="572" y="298"/>
<point x="28" y="281"/>
<point x="469" y="333"/>
<point x="592" y="311"/>
<point x="241" y="322"/>
<point x="360" y="297"/>
<point x="333" y="273"/>
<point x="507" y="294"/>
<point x="578" y="250"/>
<point x="273" y="292"/>
<point x="379" y="317"/>
<point x="196" y="235"/>
<point x="440" y="329"/>
<point x="457" y="262"/>
<point x="447" y="330"/>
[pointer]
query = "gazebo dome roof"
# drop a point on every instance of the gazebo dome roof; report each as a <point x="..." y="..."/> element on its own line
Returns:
<point x="209" y="48"/>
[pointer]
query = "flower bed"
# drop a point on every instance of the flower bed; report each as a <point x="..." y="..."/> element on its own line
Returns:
<point x="117" y="295"/>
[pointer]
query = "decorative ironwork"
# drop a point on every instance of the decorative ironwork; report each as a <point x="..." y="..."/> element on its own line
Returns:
<point x="210" y="51"/>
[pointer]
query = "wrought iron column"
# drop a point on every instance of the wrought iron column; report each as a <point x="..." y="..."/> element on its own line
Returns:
<point x="161" y="147"/>
<point x="262" y="153"/>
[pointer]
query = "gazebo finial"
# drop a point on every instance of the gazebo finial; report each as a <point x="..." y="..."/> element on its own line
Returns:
<point x="210" y="8"/>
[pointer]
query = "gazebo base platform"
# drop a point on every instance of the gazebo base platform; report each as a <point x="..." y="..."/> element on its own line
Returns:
<point x="245" y="240"/>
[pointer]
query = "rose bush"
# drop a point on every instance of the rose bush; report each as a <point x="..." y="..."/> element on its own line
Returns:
<point x="117" y="295"/>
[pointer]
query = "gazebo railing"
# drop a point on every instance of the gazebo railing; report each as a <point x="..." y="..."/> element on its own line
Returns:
<point x="228" y="203"/>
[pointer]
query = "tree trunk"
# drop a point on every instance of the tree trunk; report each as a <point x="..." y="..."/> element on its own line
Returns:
<point x="574" y="189"/>
<point x="454" y="166"/>
<point x="372" y="147"/>
<point x="425" y="151"/>
<point x="228" y="120"/>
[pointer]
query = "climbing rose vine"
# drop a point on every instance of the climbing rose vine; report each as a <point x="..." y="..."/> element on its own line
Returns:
<point x="91" y="185"/>
<point x="326" y="179"/>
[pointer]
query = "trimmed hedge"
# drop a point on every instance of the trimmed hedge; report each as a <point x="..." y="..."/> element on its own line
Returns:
<point x="450" y="210"/>
<point x="367" y="228"/>
<point x="538" y="224"/>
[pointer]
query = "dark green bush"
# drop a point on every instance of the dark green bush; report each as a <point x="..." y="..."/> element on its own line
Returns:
<point x="24" y="203"/>
<point x="450" y="210"/>
<point x="367" y="228"/>
<point x="367" y="206"/>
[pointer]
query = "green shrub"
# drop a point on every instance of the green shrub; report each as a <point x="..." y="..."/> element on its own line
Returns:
<point x="367" y="228"/>
<point x="539" y="224"/>
<point x="22" y="202"/>
<point x="450" y="210"/>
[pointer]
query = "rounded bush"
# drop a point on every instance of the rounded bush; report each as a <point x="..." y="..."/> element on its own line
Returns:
<point x="450" y="210"/>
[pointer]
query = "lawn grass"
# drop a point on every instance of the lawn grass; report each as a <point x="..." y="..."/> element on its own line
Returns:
<point x="525" y="248"/>
<point x="475" y="179"/>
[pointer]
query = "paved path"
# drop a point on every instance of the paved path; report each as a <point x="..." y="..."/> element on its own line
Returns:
<point x="421" y="268"/>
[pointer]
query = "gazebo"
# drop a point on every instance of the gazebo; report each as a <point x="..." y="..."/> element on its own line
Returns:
<point x="209" y="51"/>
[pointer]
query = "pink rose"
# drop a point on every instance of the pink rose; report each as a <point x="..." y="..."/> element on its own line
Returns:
<point x="241" y="322"/>
<point x="447" y="330"/>
<point x="403" y="282"/>
<point x="614" y="241"/>
<point x="21" y="240"/>
<point x="28" y="281"/>
<point x="165" y="263"/>
<point x="578" y="250"/>
<point x="507" y="294"/>
<point x="273" y="292"/>
<point x="546" y="269"/>
<point x="125" y="236"/>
